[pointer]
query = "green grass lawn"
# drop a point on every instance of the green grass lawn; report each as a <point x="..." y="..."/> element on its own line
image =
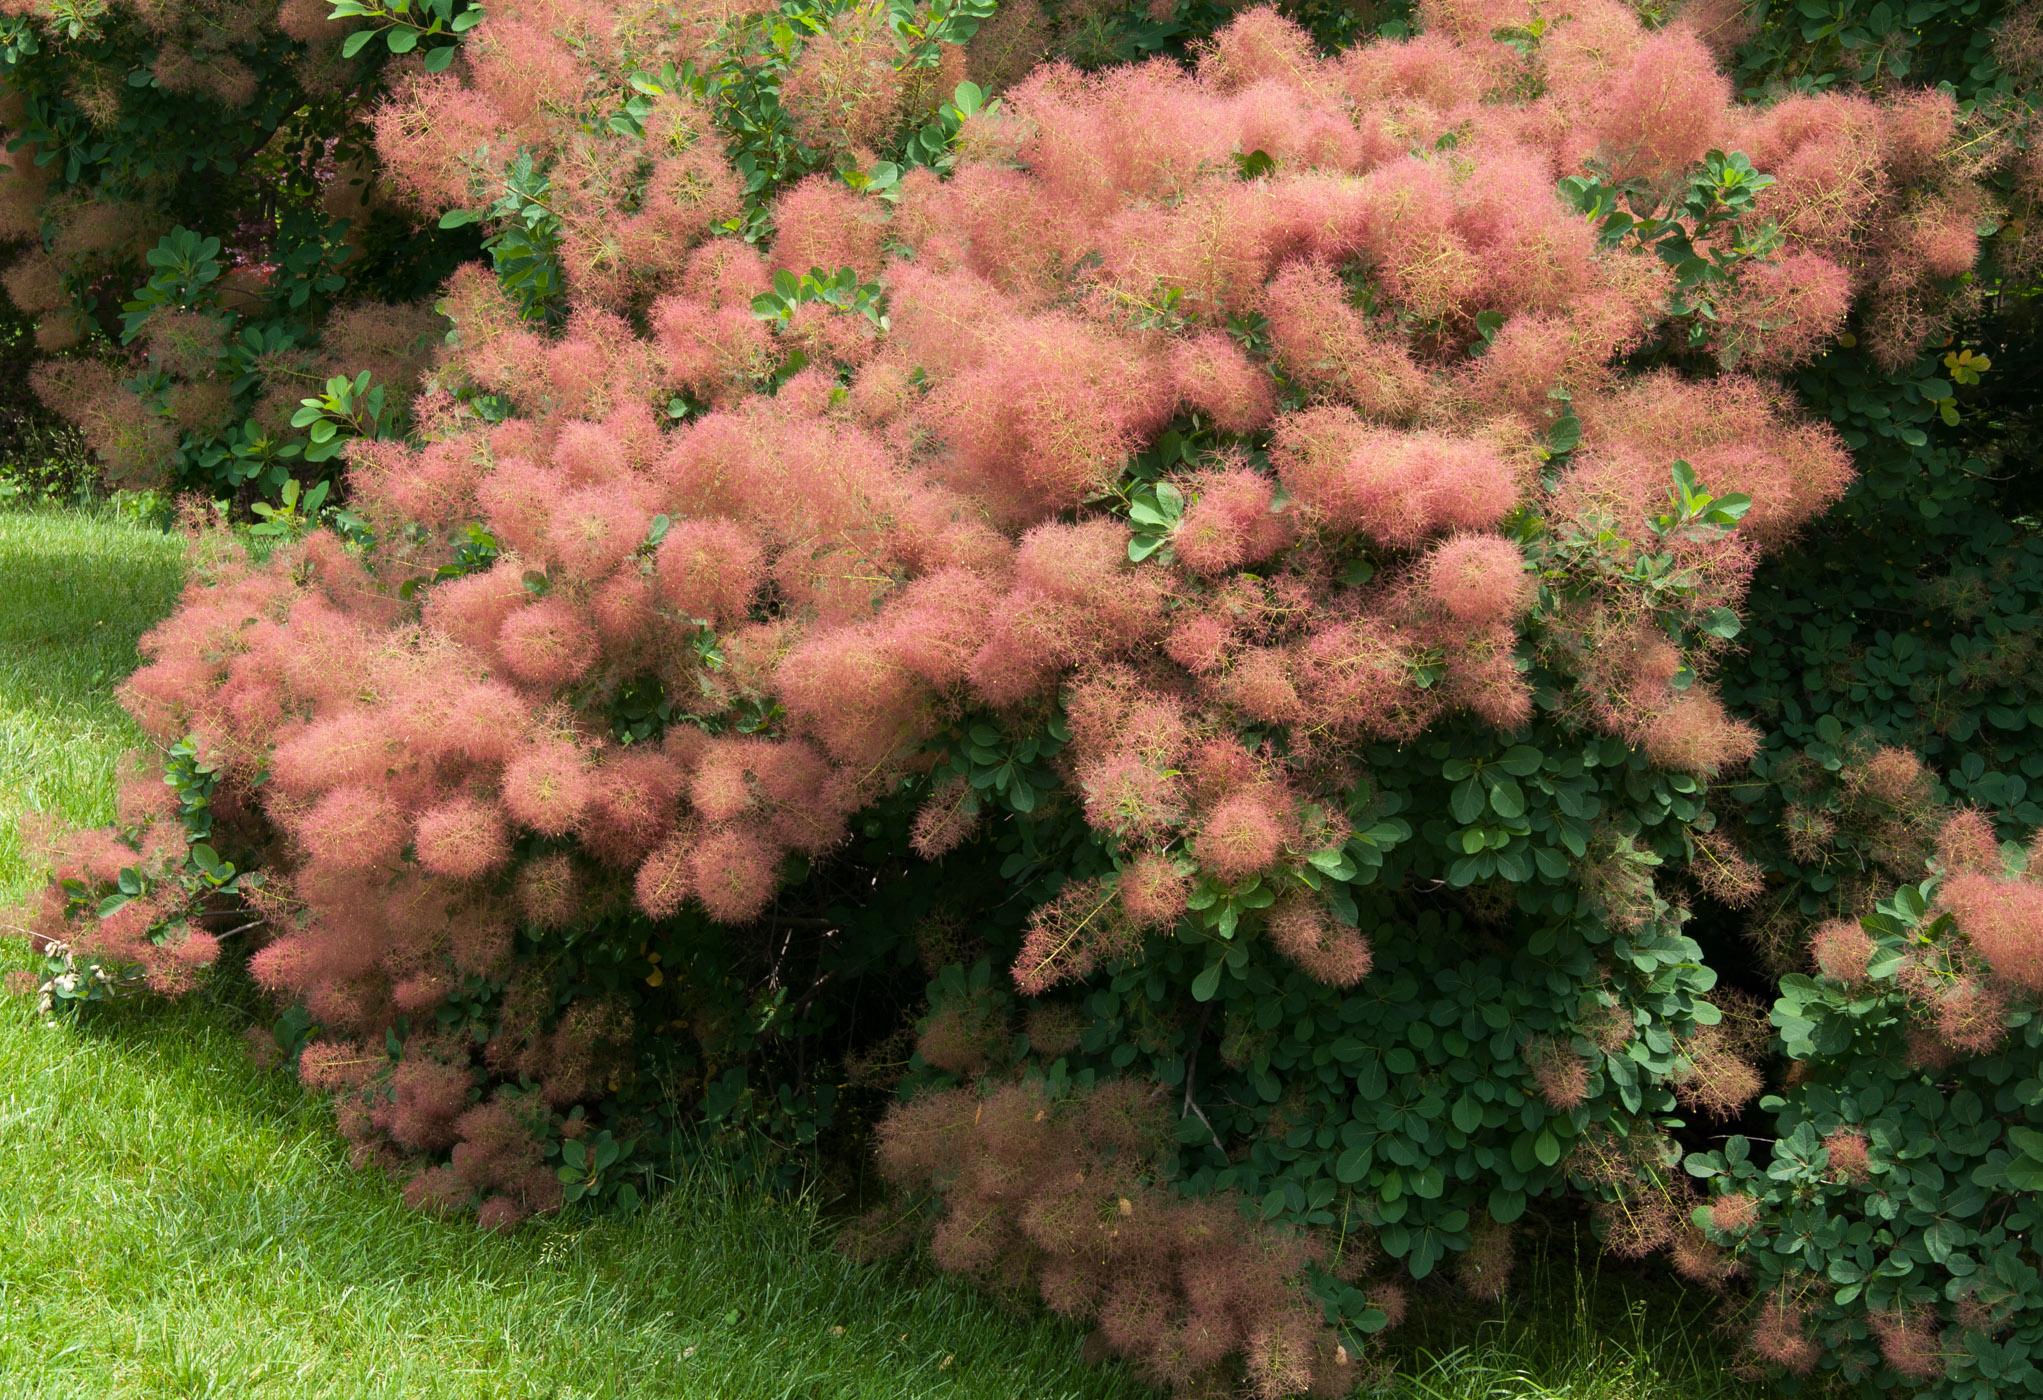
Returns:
<point x="75" y="592"/>
<point x="175" y="1222"/>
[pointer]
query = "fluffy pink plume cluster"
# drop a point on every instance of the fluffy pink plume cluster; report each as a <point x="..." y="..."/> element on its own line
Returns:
<point x="1962" y="987"/>
<point x="1072" y="1199"/>
<point x="534" y="79"/>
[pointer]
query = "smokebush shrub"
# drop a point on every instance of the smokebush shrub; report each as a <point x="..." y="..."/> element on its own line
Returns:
<point x="1226" y="576"/>
<point x="206" y="246"/>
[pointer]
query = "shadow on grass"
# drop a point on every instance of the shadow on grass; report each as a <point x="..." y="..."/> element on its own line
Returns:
<point x="716" y="1262"/>
<point x="159" y="1186"/>
<point x="1573" y="1323"/>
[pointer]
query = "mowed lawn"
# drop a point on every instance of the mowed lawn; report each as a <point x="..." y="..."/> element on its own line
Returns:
<point x="175" y="1222"/>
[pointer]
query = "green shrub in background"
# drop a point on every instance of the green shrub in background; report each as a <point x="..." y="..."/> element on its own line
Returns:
<point x="1907" y="619"/>
<point x="206" y="245"/>
<point x="1886" y="1229"/>
<point x="1890" y="668"/>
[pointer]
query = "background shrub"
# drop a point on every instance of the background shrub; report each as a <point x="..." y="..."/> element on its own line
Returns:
<point x="206" y="243"/>
<point x="1904" y="621"/>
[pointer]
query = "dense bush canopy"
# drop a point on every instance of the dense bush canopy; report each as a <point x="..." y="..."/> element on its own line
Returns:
<point x="1211" y="590"/>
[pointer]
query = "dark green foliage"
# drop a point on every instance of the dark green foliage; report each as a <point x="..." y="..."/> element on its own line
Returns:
<point x="1830" y="43"/>
<point x="1901" y="1189"/>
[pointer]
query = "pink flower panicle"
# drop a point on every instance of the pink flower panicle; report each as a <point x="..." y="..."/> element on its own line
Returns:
<point x="463" y="839"/>
<point x="1842" y="950"/>
<point x="1779" y="1337"/>
<point x="2002" y="920"/>
<point x="1560" y="1075"/>
<point x="1849" y="1154"/>
<point x="1243" y="834"/>
<point x="1734" y="1213"/>
<point x="1329" y="951"/>
<point x="1478" y="578"/>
